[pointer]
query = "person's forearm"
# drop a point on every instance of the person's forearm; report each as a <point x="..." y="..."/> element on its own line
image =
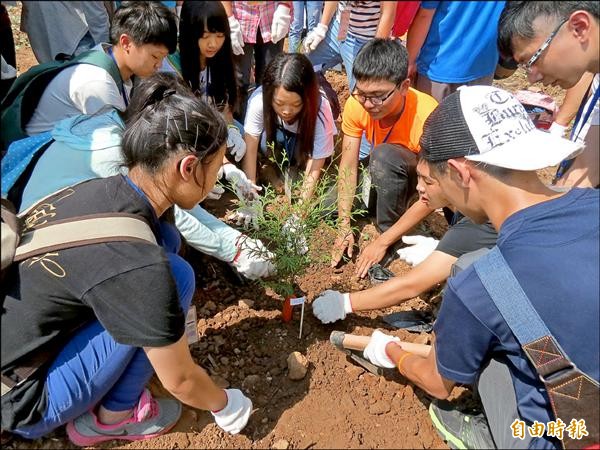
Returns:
<point x="199" y="391"/>
<point x="228" y="8"/>
<point x="249" y="160"/>
<point x="348" y="175"/>
<point x="386" y="20"/>
<point x="329" y="9"/>
<point x="417" y="33"/>
<point x="416" y="366"/>
<point x="311" y="177"/>
<point x="572" y="100"/>
<point x="413" y="215"/>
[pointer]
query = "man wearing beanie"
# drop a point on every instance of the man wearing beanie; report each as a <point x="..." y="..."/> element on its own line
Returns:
<point x="480" y="151"/>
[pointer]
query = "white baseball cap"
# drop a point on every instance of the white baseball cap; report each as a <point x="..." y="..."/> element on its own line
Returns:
<point x="488" y="124"/>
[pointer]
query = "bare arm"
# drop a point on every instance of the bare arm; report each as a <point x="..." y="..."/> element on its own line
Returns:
<point x="572" y="100"/>
<point x="375" y="251"/>
<point x="421" y="370"/>
<point x="386" y="20"/>
<point x="585" y="171"/>
<point x="312" y="174"/>
<point x="435" y="269"/>
<point x="228" y="8"/>
<point x="185" y="380"/>
<point x="417" y="33"/>
<point x="347" y="180"/>
<point x="251" y="156"/>
<point x="329" y="9"/>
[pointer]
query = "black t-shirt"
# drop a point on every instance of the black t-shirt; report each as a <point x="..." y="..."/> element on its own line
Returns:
<point x="465" y="236"/>
<point x="127" y="286"/>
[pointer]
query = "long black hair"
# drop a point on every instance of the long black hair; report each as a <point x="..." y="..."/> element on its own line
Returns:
<point x="198" y="17"/>
<point x="293" y="72"/>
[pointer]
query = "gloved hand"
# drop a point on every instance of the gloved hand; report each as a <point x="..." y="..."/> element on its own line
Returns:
<point x="314" y="38"/>
<point x="237" y="39"/>
<point x="375" y="351"/>
<point x="556" y="129"/>
<point x="281" y="23"/>
<point x="294" y="232"/>
<point x="244" y="188"/>
<point x="234" y="417"/>
<point x="421" y="248"/>
<point x="253" y="260"/>
<point x="331" y="306"/>
<point x="236" y="143"/>
<point x="215" y="193"/>
<point x="247" y="215"/>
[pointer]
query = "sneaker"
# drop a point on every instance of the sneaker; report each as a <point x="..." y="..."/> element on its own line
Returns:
<point x="151" y="417"/>
<point x="460" y="430"/>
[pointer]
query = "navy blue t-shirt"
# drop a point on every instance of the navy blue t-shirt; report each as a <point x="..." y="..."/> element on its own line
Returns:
<point x="553" y="250"/>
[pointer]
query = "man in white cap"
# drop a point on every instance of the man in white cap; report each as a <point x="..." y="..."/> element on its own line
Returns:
<point x="482" y="150"/>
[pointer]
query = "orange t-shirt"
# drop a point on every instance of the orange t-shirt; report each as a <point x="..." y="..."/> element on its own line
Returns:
<point x="406" y="131"/>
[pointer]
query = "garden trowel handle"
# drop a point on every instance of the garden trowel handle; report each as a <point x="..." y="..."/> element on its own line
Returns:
<point x="349" y="341"/>
<point x="345" y="341"/>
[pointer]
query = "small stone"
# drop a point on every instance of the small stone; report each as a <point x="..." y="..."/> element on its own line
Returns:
<point x="274" y="371"/>
<point x="423" y="338"/>
<point x="224" y="360"/>
<point x="297" y="365"/>
<point x="246" y="303"/>
<point x="237" y="351"/>
<point x="354" y="372"/>
<point x="380" y="407"/>
<point x="210" y="306"/>
<point x="281" y="444"/>
<point x="218" y="340"/>
<point x="251" y="381"/>
<point x="264" y="420"/>
<point x="220" y="381"/>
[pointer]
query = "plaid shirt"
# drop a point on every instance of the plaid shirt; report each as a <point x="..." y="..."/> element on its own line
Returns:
<point x="254" y="15"/>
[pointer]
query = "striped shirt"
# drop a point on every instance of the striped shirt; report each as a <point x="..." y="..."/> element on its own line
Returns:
<point x="364" y="17"/>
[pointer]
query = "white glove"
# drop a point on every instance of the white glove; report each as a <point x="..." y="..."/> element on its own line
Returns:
<point x="314" y="38"/>
<point x="237" y="39"/>
<point x="281" y="23"/>
<point x="253" y="260"/>
<point x="331" y="306"/>
<point x="234" y="417"/>
<point x="244" y="188"/>
<point x="236" y="143"/>
<point x="375" y="351"/>
<point x="294" y="230"/>
<point x="556" y="129"/>
<point x="247" y="215"/>
<point x="215" y="193"/>
<point x="421" y="248"/>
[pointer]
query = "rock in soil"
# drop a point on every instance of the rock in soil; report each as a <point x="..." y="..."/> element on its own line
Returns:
<point x="297" y="366"/>
<point x="246" y="303"/>
<point x="281" y="444"/>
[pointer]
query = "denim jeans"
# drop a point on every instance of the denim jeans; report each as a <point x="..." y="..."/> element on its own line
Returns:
<point x="93" y="368"/>
<point x="313" y="15"/>
<point x="331" y="52"/>
<point x="393" y="179"/>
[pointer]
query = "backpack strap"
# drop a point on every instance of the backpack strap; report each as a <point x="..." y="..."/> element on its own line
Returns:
<point x="572" y="393"/>
<point x="83" y="230"/>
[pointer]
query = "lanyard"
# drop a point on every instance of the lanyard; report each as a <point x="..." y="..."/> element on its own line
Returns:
<point x="567" y="163"/>
<point x="388" y="133"/>
<point x="123" y="93"/>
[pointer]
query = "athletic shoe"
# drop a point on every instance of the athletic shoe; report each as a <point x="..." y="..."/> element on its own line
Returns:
<point x="151" y="417"/>
<point x="460" y="430"/>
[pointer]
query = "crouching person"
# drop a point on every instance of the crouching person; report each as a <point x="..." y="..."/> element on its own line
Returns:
<point x="100" y="319"/>
<point x="498" y="335"/>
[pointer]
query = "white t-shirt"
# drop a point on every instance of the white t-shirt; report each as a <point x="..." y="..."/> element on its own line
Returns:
<point x="324" y="129"/>
<point x="594" y="118"/>
<point x="82" y="88"/>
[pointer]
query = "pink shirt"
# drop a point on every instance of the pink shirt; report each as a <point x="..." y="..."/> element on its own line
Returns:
<point x="255" y="15"/>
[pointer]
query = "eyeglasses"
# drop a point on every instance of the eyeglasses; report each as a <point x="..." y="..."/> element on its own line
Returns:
<point x="375" y="100"/>
<point x="543" y="47"/>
